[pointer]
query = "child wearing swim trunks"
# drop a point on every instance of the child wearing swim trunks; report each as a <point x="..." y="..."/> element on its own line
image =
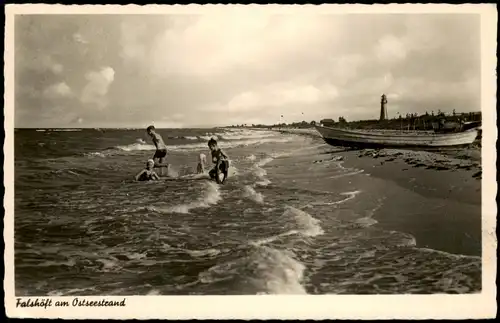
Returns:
<point x="221" y="161"/>
<point x="161" y="149"/>
<point x="147" y="174"/>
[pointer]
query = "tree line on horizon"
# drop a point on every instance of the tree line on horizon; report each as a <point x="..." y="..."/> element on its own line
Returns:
<point x="409" y="120"/>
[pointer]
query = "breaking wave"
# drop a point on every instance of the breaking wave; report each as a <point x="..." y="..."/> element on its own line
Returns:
<point x="250" y="193"/>
<point x="211" y="196"/>
<point x="203" y="145"/>
<point x="265" y="271"/>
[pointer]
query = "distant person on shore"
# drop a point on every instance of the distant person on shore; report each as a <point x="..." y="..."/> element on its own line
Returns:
<point x="147" y="174"/>
<point x="161" y="149"/>
<point x="202" y="161"/>
<point x="221" y="161"/>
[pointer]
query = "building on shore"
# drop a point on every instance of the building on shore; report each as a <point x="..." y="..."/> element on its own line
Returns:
<point x="327" y="122"/>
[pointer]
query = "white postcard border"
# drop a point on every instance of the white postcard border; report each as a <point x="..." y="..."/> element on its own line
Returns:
<point x="482" y="305"/>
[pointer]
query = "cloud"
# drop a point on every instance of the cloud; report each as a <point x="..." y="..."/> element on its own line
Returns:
<point x="98" y="83"/>
<point x="216" y="43"/>
<point x="79" y="38"/>
<point x="60" y="89"/>
<point x="277" y="95"/>
<point x="56" y="68"/>
<point x="242" y="66"/>
<point x="389" y="49"/>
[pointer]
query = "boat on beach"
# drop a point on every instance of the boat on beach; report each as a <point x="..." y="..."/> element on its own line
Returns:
<point x="381" y="139"/>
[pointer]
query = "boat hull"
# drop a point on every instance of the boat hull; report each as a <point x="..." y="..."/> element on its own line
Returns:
<point x="360" y="139"/>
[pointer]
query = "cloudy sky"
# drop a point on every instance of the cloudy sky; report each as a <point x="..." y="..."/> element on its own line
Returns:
<point x="241" y="67"/>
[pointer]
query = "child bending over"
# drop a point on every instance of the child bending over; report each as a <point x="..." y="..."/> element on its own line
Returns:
<point x="221" y="161"/>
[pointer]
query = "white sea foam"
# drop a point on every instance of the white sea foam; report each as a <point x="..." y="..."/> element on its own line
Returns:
<point x="366" y="221"/>
<point x="407" y="240"/>
<point x="211" y="196"/>
<point x="196" y="176"/>
<point x="95" y="154"/>
<point x="348" y="174"/>
<point x="265" y="161"/>
<point x="350" y="196"/>
<point x="245" y="134"/>
<point x="136" y="146"/>
<point x="307" y="224"/>
<point x="264" y="271"/>
<point x="443" y="253"/>
<point x="273" y="238"/>
<point x="264" y="182"/>
<point x="64" y="130"/>
<point x="250" y="193"/>
<point x="285" y="274"/>
<point x="202" y="253"/>
<point x="202" y="145"/>
<point x="209" y="136"/>
<point x="259" y="172"/>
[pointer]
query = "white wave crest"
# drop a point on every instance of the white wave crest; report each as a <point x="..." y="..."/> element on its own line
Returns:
<point x="247" y="134"/>
<point x="307" y="224"/>
<point x="201" y="145"/>
<point x="263" y="271"/>
<point x="64" y="130"/>
<point x="95" y="154"/>
<point x="209" y="136"/>
<point x="251" y="194"/>
<point x="366" y="221"/>
<point x="202" y="253"/>
<point x="263" y="241"/>
<point x="136" y="146"/>
<point x="264" y="182"/>
<point x="350" y="196"/>
<point x="259" y="172"/>
<point x="265" y="161"/>
<point x="211" y="196"/>
<point x="348" y="174"/>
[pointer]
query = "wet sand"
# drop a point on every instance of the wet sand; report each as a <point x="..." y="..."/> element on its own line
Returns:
<point x="452" y="178"/>
<point x="454" y="184"/>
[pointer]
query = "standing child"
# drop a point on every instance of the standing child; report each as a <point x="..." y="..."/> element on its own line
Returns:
<point x="161" y="149"/>
<point x="221" y="161"/>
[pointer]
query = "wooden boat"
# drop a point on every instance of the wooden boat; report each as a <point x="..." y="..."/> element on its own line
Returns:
<point x="471" y="124"/>
<point x="453" y="126"/>
<point x="365" y="139"/>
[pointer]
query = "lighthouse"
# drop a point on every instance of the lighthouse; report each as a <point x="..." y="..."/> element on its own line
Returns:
<point x="383" y="108"/>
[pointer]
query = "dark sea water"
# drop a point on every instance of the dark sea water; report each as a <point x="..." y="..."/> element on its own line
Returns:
<point x="284" y="223"/>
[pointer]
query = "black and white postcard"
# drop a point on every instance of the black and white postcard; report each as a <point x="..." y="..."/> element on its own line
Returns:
<point x="262" y="161"/>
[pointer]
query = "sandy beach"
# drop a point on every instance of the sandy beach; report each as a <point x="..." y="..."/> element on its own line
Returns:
<point x="453" y="176"/>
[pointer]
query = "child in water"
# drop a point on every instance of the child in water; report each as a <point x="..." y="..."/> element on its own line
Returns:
<point x="161" y="149"/>
<point x="148" y="174"/>
<point x="221" y="161"/>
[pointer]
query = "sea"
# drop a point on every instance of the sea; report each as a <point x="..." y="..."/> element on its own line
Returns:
<point x="290" y="219"/>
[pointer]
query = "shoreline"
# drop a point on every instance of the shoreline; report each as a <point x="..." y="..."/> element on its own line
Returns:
<point x="452" y="177"/>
